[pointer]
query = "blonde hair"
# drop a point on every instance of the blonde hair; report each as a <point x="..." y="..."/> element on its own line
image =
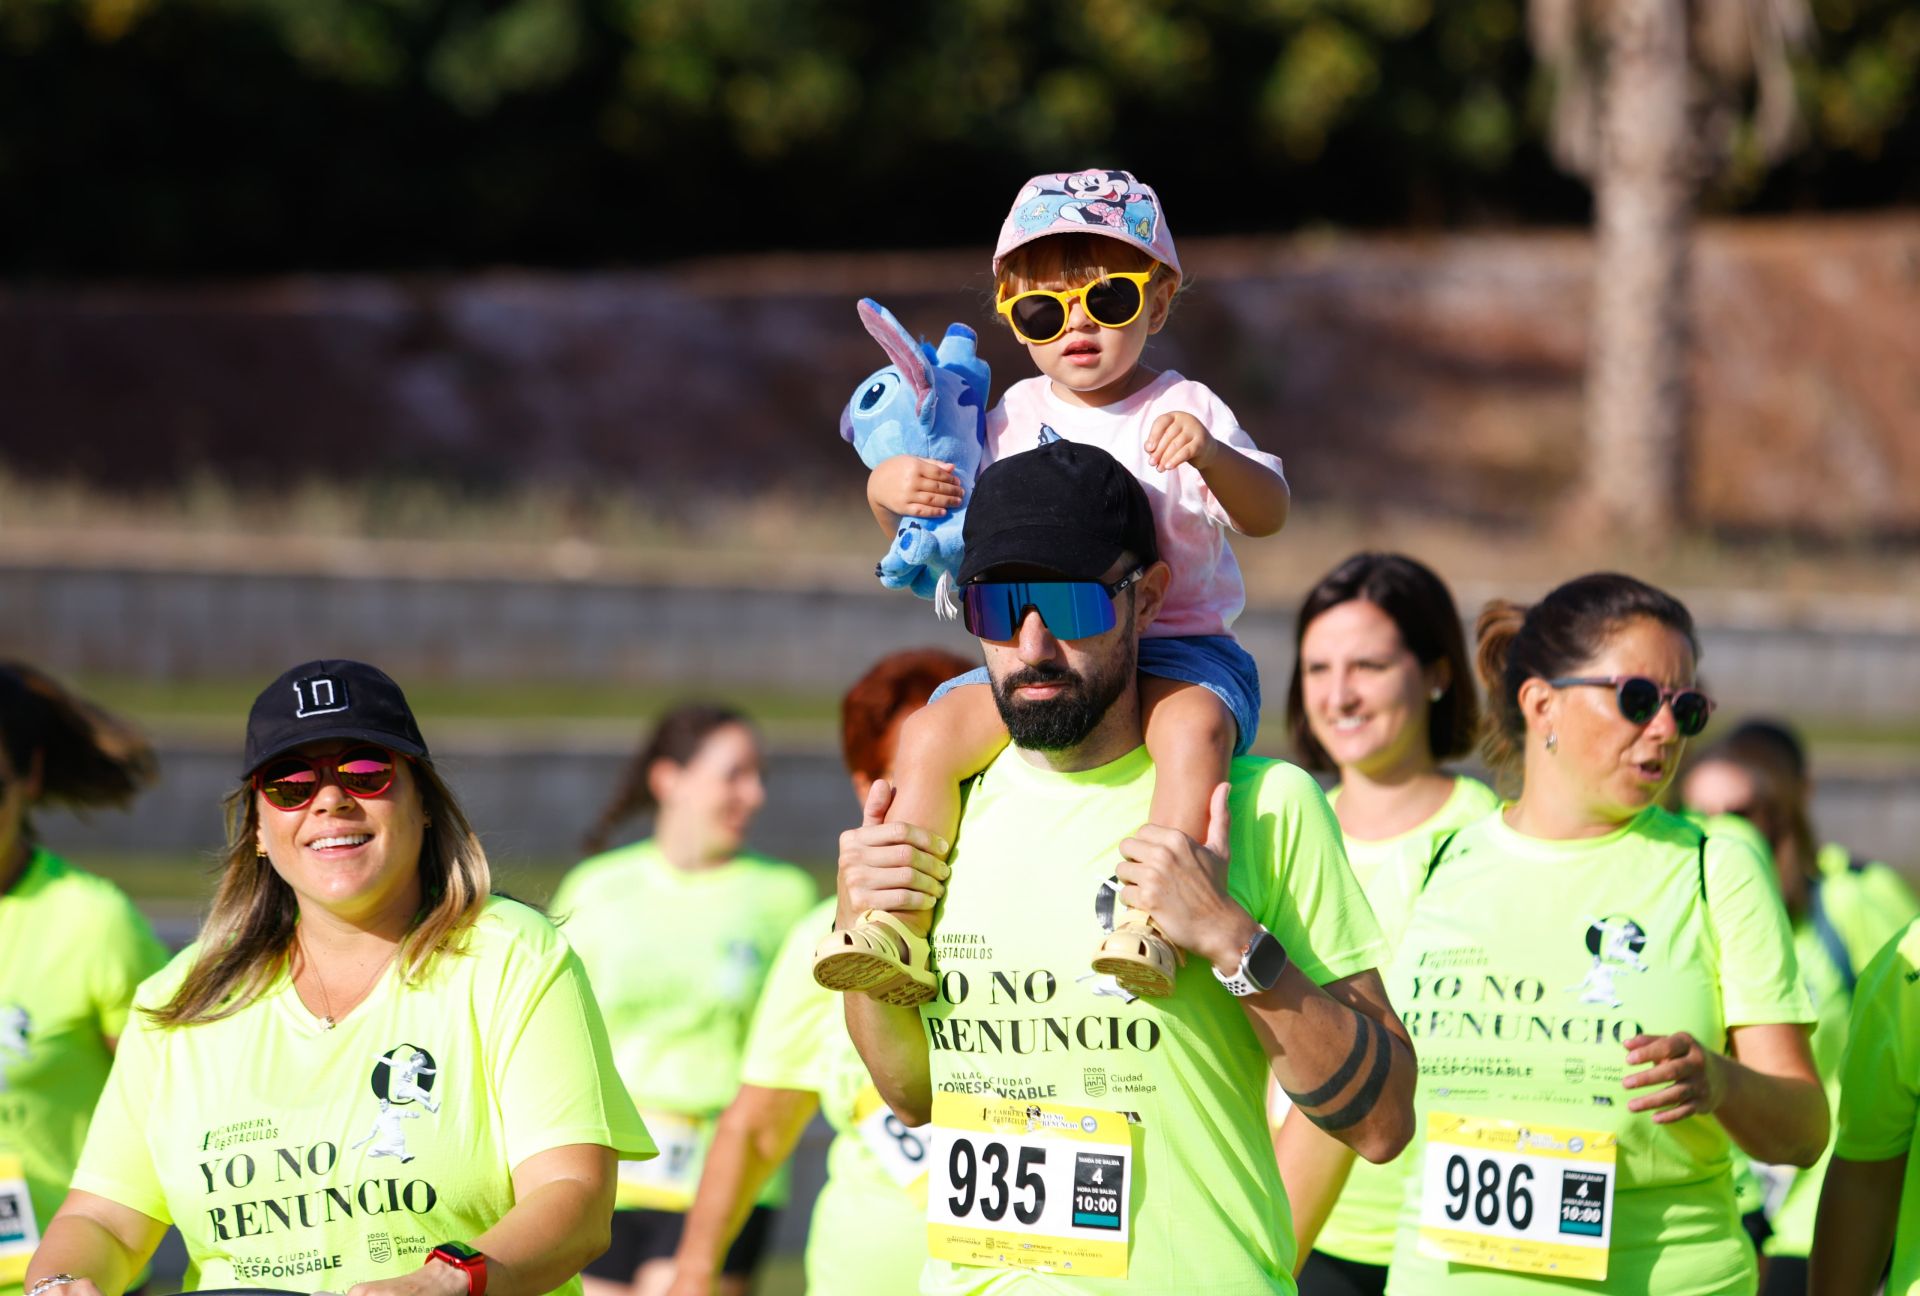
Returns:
<point x="1075" y="258"/>
<point x="247" y="939"/>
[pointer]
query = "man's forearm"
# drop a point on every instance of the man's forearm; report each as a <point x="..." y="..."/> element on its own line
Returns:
<point x="1348" y="1067"/>
<point x="892" y="1043"/>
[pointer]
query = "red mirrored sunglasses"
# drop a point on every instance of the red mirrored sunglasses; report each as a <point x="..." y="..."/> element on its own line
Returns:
<point x="292" y="782"/>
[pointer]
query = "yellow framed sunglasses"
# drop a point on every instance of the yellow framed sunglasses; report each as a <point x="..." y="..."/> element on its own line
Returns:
<point x="1039" y="315"/>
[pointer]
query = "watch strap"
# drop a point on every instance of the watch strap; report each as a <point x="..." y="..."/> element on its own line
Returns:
<point x="1241" y="983"/>
<point x="467" y="1260"/>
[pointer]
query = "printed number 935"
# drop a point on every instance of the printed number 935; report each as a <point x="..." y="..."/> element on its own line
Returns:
<point x="964" y="1169"/>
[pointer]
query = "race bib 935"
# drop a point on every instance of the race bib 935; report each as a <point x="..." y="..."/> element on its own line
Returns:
<point x="1027" y="1185"/>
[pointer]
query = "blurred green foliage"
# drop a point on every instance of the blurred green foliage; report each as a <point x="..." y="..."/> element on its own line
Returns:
<point x="167" y="136"/>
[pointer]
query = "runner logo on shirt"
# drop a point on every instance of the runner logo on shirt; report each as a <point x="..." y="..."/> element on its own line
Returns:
<point x="1615" y="942"/>
<point x="14" y="1024"/>
<point x="402" y="1076"/>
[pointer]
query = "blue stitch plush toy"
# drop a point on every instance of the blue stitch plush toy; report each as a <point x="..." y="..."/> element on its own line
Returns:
<point x="928" y="402"/>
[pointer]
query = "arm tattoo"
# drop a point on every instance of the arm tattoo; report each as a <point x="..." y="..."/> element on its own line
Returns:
<point x="1368" y="1095"/>
<point x="1340" y="1078"/>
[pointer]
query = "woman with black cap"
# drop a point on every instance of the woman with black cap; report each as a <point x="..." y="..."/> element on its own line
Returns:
<point x="368" y="1074"/>
<point x="72" y="947"/>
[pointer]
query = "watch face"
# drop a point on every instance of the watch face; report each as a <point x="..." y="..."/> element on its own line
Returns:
<point x="1266" y="960"/>
<point x="459" y="1251"/>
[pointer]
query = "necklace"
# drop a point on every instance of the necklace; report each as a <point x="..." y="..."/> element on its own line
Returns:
<point x="327" y="1019"/>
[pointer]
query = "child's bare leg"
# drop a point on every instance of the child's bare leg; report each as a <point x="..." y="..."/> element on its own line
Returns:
<point x="884" y="955"/>
<point x="941" y="746"/>
<point x="1190" y="735"/>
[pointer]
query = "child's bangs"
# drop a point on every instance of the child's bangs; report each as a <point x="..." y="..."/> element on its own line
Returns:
<point x="1068" y="259"/>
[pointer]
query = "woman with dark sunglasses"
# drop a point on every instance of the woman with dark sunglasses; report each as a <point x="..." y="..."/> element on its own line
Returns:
<point x="72" y="947"/>
<point x="369" y="1073"/>
<point x="1604" y="998"/>
<point x="1382" y="693"/>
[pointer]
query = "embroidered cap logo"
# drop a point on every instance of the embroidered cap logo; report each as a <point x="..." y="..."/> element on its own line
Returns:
<point x="319" y="695"/>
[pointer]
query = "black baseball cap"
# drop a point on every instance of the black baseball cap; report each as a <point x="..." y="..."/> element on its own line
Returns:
<point x="330" y="699"/>
<point x="1060" y="507"/>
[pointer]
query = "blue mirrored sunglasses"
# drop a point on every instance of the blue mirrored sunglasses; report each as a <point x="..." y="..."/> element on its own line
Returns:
<point x="993" y="610"/>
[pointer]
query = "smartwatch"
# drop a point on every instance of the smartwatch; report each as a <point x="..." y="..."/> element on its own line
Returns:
<point x="467" y="1260"/>
<point x="1262" y="960"/>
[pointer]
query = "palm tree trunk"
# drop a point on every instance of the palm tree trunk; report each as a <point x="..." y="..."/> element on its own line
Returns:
<point x="1643" y="196"/>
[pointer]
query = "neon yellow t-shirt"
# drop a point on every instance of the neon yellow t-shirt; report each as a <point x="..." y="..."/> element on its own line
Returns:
<point x="1021" y="1015"/>
<point x="1880" y="1088"/>
<point x="291" y="1155"/>
<point x="1362" y="1224"/>
<point x="1525" y="967"/>
<point x="1866" y="905"/>
<point x="72" y="949"/>
<point x="868" y="1236"/>
<point x="677" y="958"/>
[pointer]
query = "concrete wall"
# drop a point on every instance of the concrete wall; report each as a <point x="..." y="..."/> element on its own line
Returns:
<point x="534" y="790"/>
<point x="1850" y="661"/>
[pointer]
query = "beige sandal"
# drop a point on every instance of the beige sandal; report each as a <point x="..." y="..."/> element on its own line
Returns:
<point x="1137" y="956"/>
<point x="866" y="958"/>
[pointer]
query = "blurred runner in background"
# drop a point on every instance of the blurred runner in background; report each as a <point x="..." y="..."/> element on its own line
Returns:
<point x="1382" y="692"/>
<point x="1870" y="1203"/>
<point x="677" y="933"/>
<point x="1844" y="910"/>
<point x="369" y="1073"/>
<point x="868" y="1236"/>
<point x="72" y="948"/>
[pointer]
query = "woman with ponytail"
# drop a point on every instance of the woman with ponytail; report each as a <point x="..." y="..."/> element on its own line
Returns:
<point x="72" y="947"/>
<point x="1604" y="997"/>
<point x="677" y="933"/>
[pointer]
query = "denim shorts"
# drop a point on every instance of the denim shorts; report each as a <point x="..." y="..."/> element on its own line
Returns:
<point x="1217" y="663"/>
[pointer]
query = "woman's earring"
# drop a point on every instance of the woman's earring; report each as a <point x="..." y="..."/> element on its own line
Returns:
<point x="1553" y="742"/>
<point x="1436" y="694"/>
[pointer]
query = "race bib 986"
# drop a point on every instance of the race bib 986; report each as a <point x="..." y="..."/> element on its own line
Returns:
<point x="1531" y="1199"/>
<point x="1017" y="1184"/>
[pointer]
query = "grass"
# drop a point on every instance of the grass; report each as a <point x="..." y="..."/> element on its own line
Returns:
<point x="218" y="707"/>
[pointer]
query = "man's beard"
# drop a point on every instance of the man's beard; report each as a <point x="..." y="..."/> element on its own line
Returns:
<point x="1065" y="719"/>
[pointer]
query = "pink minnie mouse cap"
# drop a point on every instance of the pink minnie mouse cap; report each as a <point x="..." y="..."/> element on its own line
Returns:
<point x="1112" y="203"/>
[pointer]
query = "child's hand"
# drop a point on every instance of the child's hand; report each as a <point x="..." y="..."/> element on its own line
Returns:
<point x="1177" y="439"/>
<point x="910" y="486"/>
